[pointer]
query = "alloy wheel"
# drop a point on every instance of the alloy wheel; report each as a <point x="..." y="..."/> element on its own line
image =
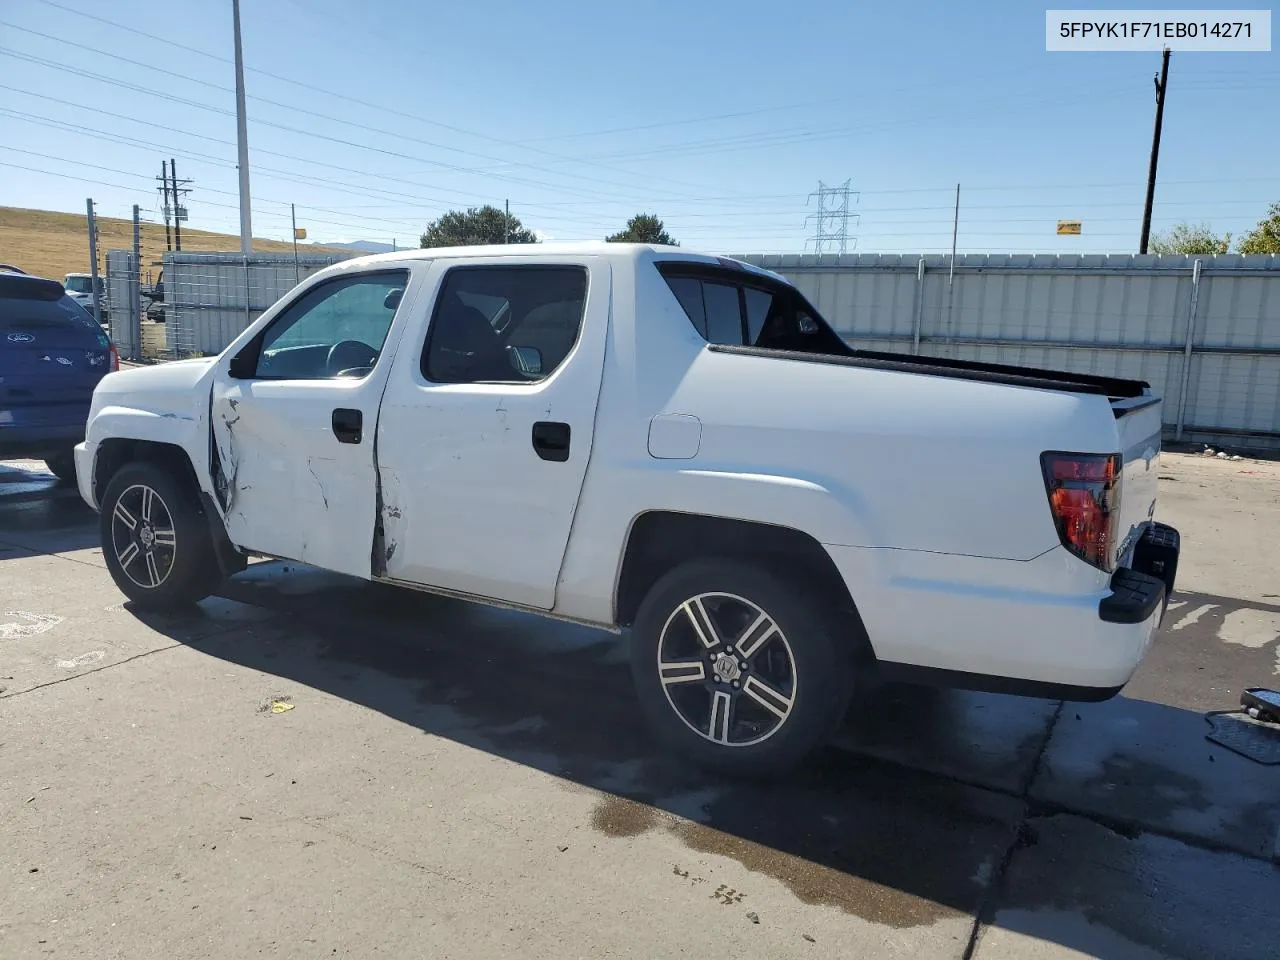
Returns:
<point x="143" y="536"/>
<point x="727" y="669"/>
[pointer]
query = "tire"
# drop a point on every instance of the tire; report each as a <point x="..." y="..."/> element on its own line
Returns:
<point x="758" y="714"/>
<point x="62" y="465"/>
<point x="179" y="566"/>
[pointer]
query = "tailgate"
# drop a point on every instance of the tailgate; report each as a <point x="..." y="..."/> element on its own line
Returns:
<point x="1138" y="421"/>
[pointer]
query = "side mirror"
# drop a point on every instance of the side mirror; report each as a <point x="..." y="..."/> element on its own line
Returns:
<point x="392" y="299"/>
<point x="243" y="365"/>
<point x="526" y="360"/>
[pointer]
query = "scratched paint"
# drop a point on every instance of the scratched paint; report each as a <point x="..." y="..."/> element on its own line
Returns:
<point x="26" y="624"/>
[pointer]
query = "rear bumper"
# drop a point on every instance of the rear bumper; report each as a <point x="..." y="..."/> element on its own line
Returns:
<point x="1052" y="626"/>
<point x="38" y="442"/>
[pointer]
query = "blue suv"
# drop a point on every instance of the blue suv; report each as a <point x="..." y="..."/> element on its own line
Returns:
<point x="52" y="355"/>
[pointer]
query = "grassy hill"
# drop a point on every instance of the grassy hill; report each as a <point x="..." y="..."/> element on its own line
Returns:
<point x="49" y="244"/>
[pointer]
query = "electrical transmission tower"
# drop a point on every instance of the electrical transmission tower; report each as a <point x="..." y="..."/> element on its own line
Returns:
<point x="831" y="221"/>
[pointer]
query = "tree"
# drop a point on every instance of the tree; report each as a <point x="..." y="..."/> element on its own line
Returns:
<point x="1265" y="237"/>
<point x="643" y="228"/>
<point x="1186" y="238"/>
<point x="475" y="226"/>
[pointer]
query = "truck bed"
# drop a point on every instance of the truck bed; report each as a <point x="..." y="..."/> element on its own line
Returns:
<point x="1113" y="387"/>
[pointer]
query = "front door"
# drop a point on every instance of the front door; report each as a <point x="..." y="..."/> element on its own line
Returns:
<point x="294" y="415"/>
<point x="484" y="437"/>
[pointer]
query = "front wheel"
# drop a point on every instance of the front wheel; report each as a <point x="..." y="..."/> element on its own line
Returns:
<point x="739" y="669"/>
<point x="155" y="539"/>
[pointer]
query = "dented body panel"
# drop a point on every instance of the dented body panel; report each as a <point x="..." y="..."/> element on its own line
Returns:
<point x="468" y="505"/>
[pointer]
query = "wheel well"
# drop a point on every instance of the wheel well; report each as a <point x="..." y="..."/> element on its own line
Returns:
<point x="660" y="540"/>
<point x="116" y="452"/>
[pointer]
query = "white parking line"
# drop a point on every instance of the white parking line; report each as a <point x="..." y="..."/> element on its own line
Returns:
<point x="1191" y="618"/>
<point x="1250" y="628"/>
<point x="30" y="624"/>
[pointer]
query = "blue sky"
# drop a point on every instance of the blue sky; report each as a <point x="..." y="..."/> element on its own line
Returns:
<point x="720" y="117"/>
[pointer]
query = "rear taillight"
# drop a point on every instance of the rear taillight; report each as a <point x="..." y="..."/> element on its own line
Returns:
<point x="1084" y="497"/>
<point x="115" y="358"/>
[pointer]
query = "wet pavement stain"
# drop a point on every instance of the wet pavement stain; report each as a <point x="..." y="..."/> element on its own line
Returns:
<point x="870" y="840"/>
<point x="620" y="817"/>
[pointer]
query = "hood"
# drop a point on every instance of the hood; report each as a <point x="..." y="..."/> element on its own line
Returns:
<point x="174" y="389"/>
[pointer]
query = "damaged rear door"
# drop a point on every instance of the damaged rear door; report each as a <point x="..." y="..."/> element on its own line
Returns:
<point x="294" y="418"/>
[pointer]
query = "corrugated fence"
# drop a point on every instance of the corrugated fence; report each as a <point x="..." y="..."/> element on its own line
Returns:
<point x="1204" y="331"/>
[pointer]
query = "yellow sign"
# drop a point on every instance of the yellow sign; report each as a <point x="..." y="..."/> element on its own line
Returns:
<point x="1069" y="228"/>
<point x="300" y="233"/>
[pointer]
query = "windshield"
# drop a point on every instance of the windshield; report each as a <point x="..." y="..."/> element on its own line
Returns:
<point x="79" y="284"/>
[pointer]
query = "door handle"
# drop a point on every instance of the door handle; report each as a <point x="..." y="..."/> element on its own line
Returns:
<point x="347" y="425"/>
<point x="551" y="440"/>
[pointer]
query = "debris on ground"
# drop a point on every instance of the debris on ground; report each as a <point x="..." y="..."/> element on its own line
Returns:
<point x="753" y="916"/>
<point x="809" y="938"/>
<point x="1252" y="731"/>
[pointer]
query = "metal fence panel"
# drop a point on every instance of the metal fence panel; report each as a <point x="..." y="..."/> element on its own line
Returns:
<point x="210" y="298"/>
<point x="123" y="304"/>
<point x="1215" y="327"/>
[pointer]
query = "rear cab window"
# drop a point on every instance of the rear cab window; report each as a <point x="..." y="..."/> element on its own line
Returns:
<point x="29" y="306"/>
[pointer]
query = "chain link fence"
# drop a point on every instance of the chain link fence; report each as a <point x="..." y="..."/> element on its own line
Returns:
<point x="198" y="302"/>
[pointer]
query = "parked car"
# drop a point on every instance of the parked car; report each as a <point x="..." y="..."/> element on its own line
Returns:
<point x="52" y="355"/>
<point x="654" y="441"/>
<point x="80" y="288"/>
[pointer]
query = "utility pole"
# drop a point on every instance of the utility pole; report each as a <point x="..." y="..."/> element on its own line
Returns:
<point x="242" y="141"/>
<point x="955" y="230"/>
<point x="179" y="211"/>
<point x="93" y="259"/>
<point x="506" y="221"/>
<point x="164" y="188"/>
<point x="293" y="217"/>
<point x="135" y="292"/>
<point x="1161" y="82"/>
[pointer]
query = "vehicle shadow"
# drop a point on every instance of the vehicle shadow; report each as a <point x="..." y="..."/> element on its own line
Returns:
<point x="899" y="844"/>
<point x="41" y="513"/>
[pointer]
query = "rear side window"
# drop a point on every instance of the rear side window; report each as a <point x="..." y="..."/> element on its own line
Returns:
<point x="504" y="324"/>
<point x="732" y="308"/>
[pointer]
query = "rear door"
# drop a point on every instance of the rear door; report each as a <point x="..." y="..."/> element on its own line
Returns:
<point x="52" y="355"/>
<point x="486" y="426"/>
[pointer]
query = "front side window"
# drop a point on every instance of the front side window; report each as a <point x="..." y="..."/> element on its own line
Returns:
<point x="336" y="330"/>
<point x="504" y="324"/>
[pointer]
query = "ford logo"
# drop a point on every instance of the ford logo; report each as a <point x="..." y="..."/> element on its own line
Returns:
<point x="21" y="338"/>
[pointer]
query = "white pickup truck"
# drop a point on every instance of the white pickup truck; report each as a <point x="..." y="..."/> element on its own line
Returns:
<point x="651" y="440"/>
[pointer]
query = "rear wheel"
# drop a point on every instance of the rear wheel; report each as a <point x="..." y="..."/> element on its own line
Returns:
<point x="739" y="669"/>
<point x="62" y="465"/>
<point x="155" y="539"/>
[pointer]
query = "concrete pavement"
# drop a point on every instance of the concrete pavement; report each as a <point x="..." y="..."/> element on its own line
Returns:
<point x="442" y="779"/>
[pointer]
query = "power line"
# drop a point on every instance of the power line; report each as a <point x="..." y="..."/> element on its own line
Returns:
<point x="342" y="96"/>
<point x="472" y="171"/>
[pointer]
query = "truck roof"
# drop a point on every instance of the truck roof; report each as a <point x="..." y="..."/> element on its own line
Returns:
<point x="593" y="248"/>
